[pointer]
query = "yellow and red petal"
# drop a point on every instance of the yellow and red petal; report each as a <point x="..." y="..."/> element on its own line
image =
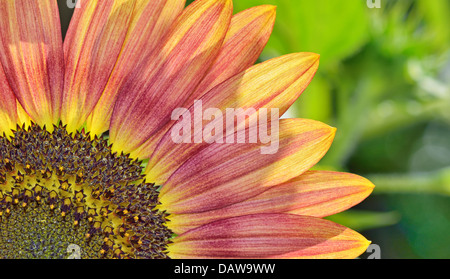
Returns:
<point x="314" y="193"/>
<point x="8" y="106"/>
<point x="22" y="116"/>
<point x="154" y="90"/>
<point x="92" y="45"/>
<point x="276" y="83"/>
<point x="150" y="22"/>
<point x="245" y="40"/>
<point x="269" y="236"/>
<point x="32" y="57"/>
<point x="225" y="173"/>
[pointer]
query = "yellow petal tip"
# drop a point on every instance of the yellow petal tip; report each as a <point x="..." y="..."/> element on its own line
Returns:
<point x="367" y="244"/>
<point x="271" y="8"/>
<point x="316" y="56"/>
<point x="332" y="131"/>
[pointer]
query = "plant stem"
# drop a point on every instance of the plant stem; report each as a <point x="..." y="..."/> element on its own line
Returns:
<point x="435" y="182"/>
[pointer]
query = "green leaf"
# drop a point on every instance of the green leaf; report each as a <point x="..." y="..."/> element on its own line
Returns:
<point x="316" y="102"/>
<point x="437" y="13"/>
<point x="360" y="220"/>
<point x="333" y="29"/>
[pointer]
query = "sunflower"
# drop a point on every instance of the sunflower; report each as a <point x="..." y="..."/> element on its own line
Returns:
<point x="89" y="166"/>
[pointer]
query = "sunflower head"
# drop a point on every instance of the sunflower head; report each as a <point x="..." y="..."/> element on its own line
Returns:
<point x="59" y="189"/>
<point x="88" y="157"/>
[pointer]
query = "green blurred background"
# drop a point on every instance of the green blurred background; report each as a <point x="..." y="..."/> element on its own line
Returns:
<point x="384" y="82"/>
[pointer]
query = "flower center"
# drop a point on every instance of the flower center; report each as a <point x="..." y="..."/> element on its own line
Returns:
<point x="69" y="196"/>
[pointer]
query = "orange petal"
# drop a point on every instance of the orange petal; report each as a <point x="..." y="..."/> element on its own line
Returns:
<point x="92" y="45"/>
<point x="245" y="40"/>
<point x="32" y="56"/>
<point x="224" y="173"/>
<point x="276" y="83"/>
<point x="150" y="22"/>
<point x="22" y="116"/>
<point x="169" y="76"/>
<point x="314" y="193"/>
<point x="8" y="106"/>
<point x="269" y="236"/>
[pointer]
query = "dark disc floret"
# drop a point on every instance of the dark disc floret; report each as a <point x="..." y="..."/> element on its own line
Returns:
<point x="69" y="196"/>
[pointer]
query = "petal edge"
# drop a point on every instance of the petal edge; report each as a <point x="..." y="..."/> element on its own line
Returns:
<point x="269" y="236"/>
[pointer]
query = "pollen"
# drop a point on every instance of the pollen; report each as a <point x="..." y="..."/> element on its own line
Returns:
<point x="61" y="190"/>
